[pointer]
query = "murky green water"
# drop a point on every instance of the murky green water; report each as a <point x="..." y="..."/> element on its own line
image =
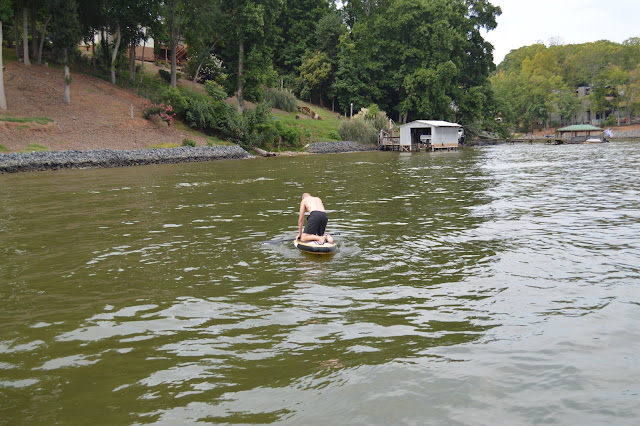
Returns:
<point x="488" y="286"/>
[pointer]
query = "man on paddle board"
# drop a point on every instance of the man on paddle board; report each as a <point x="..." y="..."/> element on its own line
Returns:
<point x="316" y="223"/>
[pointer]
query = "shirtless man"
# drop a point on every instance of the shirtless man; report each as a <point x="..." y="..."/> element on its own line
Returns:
<point x="316" y="223"/>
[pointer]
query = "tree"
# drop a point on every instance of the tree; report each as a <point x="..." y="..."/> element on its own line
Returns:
<point x="203" y="33"/>
<point x="65" y="37"/>
<point x="250" y="33"/>
<point x="127" y="18"/>
<point x="5" y="15"/>
<point x="25" y="34"/>
<point x="401" y="43"/>
<point x="175" y="14"/>
<point x="297" y="20"/>
<point x="632" y="91"/>
<point x="315" y="72"/>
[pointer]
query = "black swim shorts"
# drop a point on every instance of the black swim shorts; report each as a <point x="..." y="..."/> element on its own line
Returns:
<point x="316" y="223"/>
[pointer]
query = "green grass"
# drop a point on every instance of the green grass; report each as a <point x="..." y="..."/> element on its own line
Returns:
<point x="3" y="149"/>
<point x="8" y="55"/>
<point x="312" y="130"/>
<point x="216" y="141"/>
<point x="38" y="120"/>
<point x="36" y="147"/>
<point x="164" y="145"/>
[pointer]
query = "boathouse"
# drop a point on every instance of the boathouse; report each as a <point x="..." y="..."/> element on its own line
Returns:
<point x="579" y="133"/>
<point x="427" y="134"/>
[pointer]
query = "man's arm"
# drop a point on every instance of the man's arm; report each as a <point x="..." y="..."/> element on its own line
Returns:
<point x="301" y="219"/>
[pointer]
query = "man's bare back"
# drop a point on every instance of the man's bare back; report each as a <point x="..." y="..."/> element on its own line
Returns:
<point x="311" y="204"/>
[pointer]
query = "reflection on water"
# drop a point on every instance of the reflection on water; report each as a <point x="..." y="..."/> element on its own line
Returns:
<point x="487" y="285"/>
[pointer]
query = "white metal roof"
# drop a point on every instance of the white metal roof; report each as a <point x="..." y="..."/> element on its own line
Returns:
<point x="433" y="123"/>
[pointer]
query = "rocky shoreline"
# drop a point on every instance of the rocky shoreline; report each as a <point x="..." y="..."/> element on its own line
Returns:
<point x="626" y="134"/>
<point x="337" y="147"/>
<point x="55" y="160"/>
<point x="103" y="158"/>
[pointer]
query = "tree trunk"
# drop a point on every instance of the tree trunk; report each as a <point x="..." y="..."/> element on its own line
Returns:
<point x="3" y="100"/>
<point x="25" y="36"/>
<point x="114" y="55"/>
<point x="132" y="61"/>
<point x="67" y="79"/>
<point x="240" y="77"/>
<point x="34" y="31"/>
<point x="44" y="30"/>
<point x="175" y="22"/>
<point x="174" y="63"/>
<point x="93" y="47"/>
<point x="144" y="45"/>
<point x="195" y="78"/>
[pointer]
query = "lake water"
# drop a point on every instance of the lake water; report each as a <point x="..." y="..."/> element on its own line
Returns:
<point x="494" y="285"/>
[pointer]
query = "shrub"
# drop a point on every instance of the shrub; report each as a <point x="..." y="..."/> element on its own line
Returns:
<point x="333" y="134"/>
<point x="199" y="114"/>
<point x="166" y="75"/>
<point x="358" y="129"/>
<point x="188" y="142"/>
<point x="214" y="90"/>
<point x="283" y="99"/>
<point x="373" y="115"/>
<point x="162" y="111"/>
<point x="173" y="96"/>
<point x="290" y="135"/>
<point x="268" y="134"/>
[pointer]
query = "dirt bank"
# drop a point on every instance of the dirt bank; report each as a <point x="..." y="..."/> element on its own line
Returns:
<point x="97" y="118"/>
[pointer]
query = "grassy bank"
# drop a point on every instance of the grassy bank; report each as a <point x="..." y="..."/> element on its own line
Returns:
<point x="96" y="109"/>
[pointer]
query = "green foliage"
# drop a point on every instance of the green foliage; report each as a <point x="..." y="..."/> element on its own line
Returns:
<point x="211" y="70"/>
<point x="334" y="135"/>
<point x="298" y="21"/>
<point x="6" y="12"/>
<point x="173" y="96"/>
<point x="200" y="113"/>
<point x="214" y="90"/>
<point x="188" y="142"/>
<point x="536" y="83"/>
<point x="65" y="28"/>
<point x="359" y="130"/>
<point x="282" y="99"/>
<point x="420" y="62"/>
<point x="162" y="111"/>
<point x="372" y="115"/>
<point x="268" y="133"/>
<point x="315" y="73"/>
<point x="290" y="135"/>
<point x="3" y="148"/>
<point x="166" y="75"/>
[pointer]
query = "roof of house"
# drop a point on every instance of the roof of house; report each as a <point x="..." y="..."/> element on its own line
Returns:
<point x="579" y="128"/>
<point x="433" y="123"/>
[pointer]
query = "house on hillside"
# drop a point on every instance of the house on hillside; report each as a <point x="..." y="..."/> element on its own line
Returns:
<point x="428" y="134"/>
<point x="145" y="50"/>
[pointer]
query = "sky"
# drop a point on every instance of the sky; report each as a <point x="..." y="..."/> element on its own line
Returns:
<point x="525" y="22"/>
